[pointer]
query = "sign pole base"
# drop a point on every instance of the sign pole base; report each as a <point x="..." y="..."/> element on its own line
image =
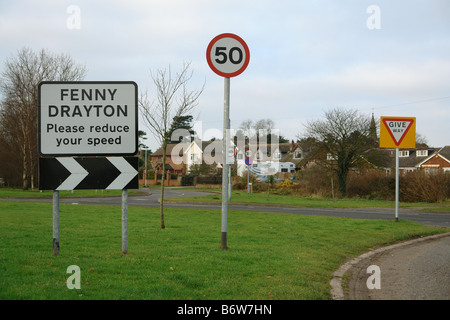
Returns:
<point x="225" y="166"/>
<point x="55" y="222"/>
<point x="396" y="183"/>
<point x="124" y="221"/>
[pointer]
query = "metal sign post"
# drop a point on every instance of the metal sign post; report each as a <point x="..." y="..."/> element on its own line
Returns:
<point x="397" y="187"/>
<point x="124" y="221"/>
<point x="248" y="162"/>
<point x="248" y="180"/>
<point x="225" y="167"/>
<point x="91" y="119"/>
<point x="397" y="132"/>
<point x="55" y="222"/>
<point x="228" y="56"/>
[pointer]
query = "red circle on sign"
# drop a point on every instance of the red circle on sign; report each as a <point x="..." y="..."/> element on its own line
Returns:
<point x="213" y="66"/>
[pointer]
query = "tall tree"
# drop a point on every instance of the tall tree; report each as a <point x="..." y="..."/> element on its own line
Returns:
<point x="19" y="82"/>
<point x="173" y="101"/>
<point x="345" y="136"/>
<point x="183" y="122"/>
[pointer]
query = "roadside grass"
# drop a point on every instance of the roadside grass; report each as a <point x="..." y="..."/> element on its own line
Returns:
<point x="270" y="255"/>
<point x="19" y="193"/>
<point x="445" y="209"/>
<point x="238" y="196"/>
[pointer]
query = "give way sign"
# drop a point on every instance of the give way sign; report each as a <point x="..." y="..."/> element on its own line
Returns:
<point x="398" y="132"/>
<point x="228" y="55"/>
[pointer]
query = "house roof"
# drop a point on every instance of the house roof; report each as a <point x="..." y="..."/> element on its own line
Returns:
<point x="443" y="152"/>
<point x="170" y="166"/>
<point x="412" y="160"/>
<point x="282" y="147"/>
<point x="289" y="157"/>
<point x="169" y="149"/>
<point x="159" y="152"/>
<point x="185" y="147"/>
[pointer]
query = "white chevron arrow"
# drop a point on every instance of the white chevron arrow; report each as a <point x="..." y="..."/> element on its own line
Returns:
<point x="77" y="173"/>
<point x="127" y="172"/>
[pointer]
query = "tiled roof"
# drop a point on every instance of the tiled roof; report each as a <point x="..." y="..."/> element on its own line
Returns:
<point x="445" y="152"/>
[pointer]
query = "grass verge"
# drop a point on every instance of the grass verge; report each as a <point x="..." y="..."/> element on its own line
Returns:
<point x="19" y="193"/>
<point x="270" y="256"/>
<point x="313" y="202"/>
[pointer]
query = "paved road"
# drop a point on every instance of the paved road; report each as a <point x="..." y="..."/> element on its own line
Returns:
<point x="416" y="270"/>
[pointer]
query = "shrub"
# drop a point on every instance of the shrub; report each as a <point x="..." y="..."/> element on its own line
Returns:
<point x="371" y="184"/>
<point x="315" y="181"/>
<point x="419" y="186"/>
<point x="286" y="184"/>
<point x="414" y="186"/>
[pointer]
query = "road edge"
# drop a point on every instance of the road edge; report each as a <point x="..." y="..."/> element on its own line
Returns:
<point x="337" y="291"/>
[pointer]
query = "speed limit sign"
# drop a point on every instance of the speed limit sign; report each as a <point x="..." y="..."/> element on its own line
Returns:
<point x="228" y="55"/>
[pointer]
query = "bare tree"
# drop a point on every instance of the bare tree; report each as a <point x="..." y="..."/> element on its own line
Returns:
<point x="19" y="87"/>
<point x="173" y="100"/>
<point x="344" y="138"/>
<point x="421" y="141"/>
<point x="251" y="128"/>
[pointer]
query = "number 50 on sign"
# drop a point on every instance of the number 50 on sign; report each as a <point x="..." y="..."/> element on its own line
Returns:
<point x="228" y="55"/>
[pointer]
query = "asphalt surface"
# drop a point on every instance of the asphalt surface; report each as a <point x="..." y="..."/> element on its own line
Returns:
<point x="413" y="270"/>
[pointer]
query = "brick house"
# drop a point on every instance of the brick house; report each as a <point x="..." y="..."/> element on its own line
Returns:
<point x="180" y="157"/>
<point x="296" y="154"/>
<point x="172" y="165"/>
<point x="431" y="160"/>
<point x="437" y="162"/>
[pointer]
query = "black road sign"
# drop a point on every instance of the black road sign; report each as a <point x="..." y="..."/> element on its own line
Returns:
<point x="68" y="173"/>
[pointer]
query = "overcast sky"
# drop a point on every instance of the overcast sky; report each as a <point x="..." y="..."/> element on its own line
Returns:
<point x="389" y="57"/>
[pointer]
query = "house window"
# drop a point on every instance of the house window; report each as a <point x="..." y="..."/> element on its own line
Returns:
<point x="277" y="155"/>
<point x="258" y="155"/>
<point x="422" y="153"/>
<point x="194" y="157"/>
<point x="297" y="155"/>
<point x="433" y="170"/>
<point x="403" y="153"/>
